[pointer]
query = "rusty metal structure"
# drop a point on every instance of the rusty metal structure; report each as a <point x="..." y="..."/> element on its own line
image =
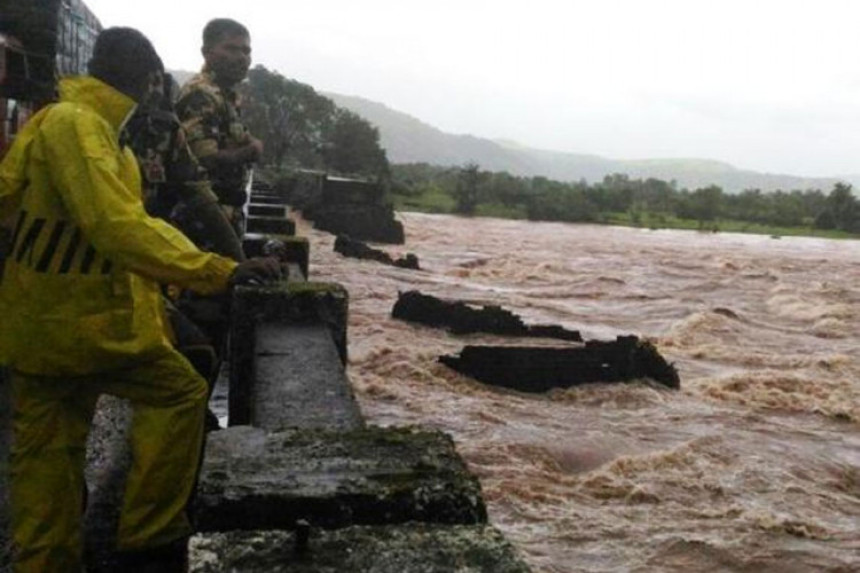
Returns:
<point x="40" y="41"/>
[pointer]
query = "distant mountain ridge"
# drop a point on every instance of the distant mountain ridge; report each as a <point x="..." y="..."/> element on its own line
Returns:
<point x="409" y="140"/>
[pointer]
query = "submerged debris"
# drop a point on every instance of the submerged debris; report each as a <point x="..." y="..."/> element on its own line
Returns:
<point x="540" y="369"/>
<point x="461" y="318"/>
<point x="349" y="247"/>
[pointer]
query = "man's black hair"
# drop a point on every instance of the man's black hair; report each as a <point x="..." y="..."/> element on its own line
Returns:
<point x="123" y="58"/>
<point x="220" y="28"/>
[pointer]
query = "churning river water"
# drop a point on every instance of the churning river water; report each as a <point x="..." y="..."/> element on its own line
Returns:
<point x="754" y="465"/>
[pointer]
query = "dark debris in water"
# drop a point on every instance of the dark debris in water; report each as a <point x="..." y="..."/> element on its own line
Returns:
<point x="460" y="318"/>
<point x="530" y="369"/>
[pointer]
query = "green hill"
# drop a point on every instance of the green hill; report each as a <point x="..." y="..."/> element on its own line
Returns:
<point x="409" y="140"/>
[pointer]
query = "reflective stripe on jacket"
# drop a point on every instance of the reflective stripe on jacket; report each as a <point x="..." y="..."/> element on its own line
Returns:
<point x="80" y="289"/>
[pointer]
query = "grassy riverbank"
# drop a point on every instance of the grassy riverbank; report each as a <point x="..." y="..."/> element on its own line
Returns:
<point x="441" y="203"/>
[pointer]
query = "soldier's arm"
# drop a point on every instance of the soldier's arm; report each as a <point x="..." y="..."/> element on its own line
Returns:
<point x="248" y="153"/>
<point x="208" y="224"/>
<point x="198" y="112"/>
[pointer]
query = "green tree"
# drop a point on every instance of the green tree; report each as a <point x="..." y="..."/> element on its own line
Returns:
<point x="290" y="118"/>
<point x="467" y="189"/>
<point x="506" y="189"/>
<point x="706" y="203"/>
<point x="843" y="208"/>
<point x="301" y="128"/>
<point x="656" y="195"/>
<point x="353" y="146"/>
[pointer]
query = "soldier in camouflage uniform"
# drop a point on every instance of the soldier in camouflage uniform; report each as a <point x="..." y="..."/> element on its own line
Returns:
<point x="209" y="108"/>
<point x="176" y="189"/>
<point x="175" y="186"/>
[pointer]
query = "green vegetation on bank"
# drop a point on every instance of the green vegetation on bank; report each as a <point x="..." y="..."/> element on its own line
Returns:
<point x="619" y="200"/>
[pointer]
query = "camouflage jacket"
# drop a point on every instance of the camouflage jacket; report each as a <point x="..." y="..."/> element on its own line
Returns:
<point x="167" y="166"/>
<point x="212" y="119"/>
<point x="175" y="186"/>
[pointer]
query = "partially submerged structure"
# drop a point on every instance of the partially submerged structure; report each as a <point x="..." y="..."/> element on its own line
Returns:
<point x="532" y="368"/>
<point x="461" y="318"/>
<point x="537" y="369"/>
<point x="349" y="247"/>
<point x="344" y="206"/>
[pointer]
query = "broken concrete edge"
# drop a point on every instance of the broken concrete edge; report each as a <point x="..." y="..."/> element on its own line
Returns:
<point x="290" y="303"/>
<point x="288" y="248"/>
<point x="255" y="479"/>
<point x="381" y="549"/>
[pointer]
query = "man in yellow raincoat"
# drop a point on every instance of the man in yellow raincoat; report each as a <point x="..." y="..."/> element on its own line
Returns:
<point x="82" y="315"/>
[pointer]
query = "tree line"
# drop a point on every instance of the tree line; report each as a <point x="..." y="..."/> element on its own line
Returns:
<point x="641" y="201"/>
<point x="303" y="129"/>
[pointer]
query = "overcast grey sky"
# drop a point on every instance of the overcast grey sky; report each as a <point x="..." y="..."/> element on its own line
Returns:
<point x="763" y="84"/>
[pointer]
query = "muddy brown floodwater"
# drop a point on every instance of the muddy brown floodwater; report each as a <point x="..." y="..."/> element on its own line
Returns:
<point x="753" y="466"/>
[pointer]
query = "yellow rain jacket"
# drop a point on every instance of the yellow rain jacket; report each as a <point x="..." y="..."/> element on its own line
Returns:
<point x="80" y="291"/>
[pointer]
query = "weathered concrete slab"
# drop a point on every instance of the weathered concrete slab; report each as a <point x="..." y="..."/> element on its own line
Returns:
<point x="267" y="210"/>
<point x="252" y="479"/>
<point x="270" y="225"/>
<point x="531" y="369"/>
<point x="291" y="303"/>
<point x="300" y="381"/>
<point x="288" y="248"/>
<point x="412" y="548"/>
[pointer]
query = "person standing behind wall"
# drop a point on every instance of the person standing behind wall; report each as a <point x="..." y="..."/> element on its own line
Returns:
<point x="83" y="315"/>
<point x="175" y="188"/>
<point x="209" y="109"/>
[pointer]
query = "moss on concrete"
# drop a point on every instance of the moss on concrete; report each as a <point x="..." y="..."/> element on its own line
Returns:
<point x="413" y="548"/>
<point x="252" y="479"/>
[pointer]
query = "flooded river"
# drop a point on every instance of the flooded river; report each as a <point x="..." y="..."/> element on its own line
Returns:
<point x="754" y="465"/>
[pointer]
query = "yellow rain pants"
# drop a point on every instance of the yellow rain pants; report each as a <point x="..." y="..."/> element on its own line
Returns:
<point x="51" y="421"/>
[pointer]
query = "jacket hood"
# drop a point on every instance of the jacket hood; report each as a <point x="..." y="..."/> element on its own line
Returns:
<point x="111" y="104"/>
